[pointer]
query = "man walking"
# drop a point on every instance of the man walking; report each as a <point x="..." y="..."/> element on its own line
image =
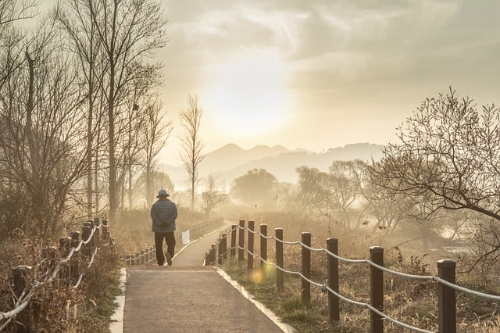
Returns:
<point x="163" y="215"/>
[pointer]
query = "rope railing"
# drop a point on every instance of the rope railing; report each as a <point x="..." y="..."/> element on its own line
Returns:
<point x="445" y="279"/>
<point x="145" y="257"/>
<point x="465" y="290"/>
<point x="72" y="250"/>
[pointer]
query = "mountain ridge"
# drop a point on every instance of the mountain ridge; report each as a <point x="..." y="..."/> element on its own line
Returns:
<point x="231" y="161"/>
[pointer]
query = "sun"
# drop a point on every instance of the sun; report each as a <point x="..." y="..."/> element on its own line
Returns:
<point x="247" y="94"/>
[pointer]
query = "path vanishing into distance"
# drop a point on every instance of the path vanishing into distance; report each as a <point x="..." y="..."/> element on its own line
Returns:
<point x="189" y="297"/>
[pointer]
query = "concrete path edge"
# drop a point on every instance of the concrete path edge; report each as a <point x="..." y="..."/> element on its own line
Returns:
<point x="270" y="314"/>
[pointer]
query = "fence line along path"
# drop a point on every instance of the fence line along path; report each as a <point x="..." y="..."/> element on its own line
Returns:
<point x="189" y="297"/>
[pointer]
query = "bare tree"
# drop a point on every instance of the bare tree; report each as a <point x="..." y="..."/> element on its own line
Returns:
<point x="344" y="182"/>
<point x="42" y="130"/>
<point x="212" y="196"/>
<point x="191" y="144"/>
<point x="450" y="150"/>
<point x="74" y="19"/>
<point x="129" y="31"/>
<point x="449" y="154"/>
<point x="331" y="194"/>
<point x="155" y="136"/>
<point x="315" y="189"/>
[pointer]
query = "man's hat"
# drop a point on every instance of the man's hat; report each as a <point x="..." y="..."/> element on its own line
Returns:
<point x="162" y="194"/>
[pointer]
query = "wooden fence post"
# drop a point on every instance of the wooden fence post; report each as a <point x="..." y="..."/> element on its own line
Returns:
<point x="447" y="299"/>
<point x="65" y="248"/>
<point x="85" y="237"/>
<point x="233" y="240"/>
<point x="332" y="245"/>
<point x="214" y="255"/>
<point x="97" y="238"/>
<point x="306" y="266"/>
<point x="224" y="247"/>
<point x="279" y="258"/>
<point x="376" y="289"/>
<point x="23" y="321"/>
<point x="251" y="225"/>
<point x="263" y="246"/>
<point x="74" y="262"/>
<point x="92" y="243"/>
<point x="105" y="231"/>
<point x="64" y="245"/>
<point x="241" y="241"/>
<point x="219" y="251"/>
<point x="219" y="245"/>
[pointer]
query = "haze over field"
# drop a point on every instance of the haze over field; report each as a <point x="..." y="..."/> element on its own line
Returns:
<point x="231" y="161"/>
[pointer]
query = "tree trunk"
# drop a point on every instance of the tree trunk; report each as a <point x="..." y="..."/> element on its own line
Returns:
<point x="113" y="199"/>
<point x="89" y="145"/>
<point x="29" y="111"/>
<point x="96" y="172"/>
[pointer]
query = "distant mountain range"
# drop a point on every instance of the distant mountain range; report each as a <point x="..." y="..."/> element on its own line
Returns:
<point x="231" y="161"/>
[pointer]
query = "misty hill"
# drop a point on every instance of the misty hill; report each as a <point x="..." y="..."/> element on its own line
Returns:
<point x="230" y="156"/>
<point x="231" y="161"/>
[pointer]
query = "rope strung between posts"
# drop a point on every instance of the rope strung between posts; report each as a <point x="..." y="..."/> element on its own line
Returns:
<point x="390" y="271"/>
<point x="324" y="287"/>
<point x="80" y="278"/>
<point x="138" y="256"/>
<point x="25" y="297"/>
<point x="465" y="290"/>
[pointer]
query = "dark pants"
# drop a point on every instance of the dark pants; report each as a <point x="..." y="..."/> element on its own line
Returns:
<point x="170" y="239"/>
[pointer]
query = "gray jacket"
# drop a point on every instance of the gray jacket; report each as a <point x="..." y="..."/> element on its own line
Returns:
<point x="163" y="215"/>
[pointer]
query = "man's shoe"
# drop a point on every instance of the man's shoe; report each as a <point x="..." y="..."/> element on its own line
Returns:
<point x="169" y="259"/>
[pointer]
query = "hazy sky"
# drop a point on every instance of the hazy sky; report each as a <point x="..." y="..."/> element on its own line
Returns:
<point x="320" y="73"/>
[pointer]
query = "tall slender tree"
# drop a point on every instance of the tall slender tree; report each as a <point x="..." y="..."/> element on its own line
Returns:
<point x="191" y="144"/>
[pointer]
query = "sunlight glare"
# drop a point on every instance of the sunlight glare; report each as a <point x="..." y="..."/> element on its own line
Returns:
<point x="247" y="96"/>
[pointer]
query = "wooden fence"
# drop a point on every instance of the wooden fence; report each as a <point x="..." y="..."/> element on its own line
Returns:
<point x="445" y="279"/>
<point x="59" y="267"/>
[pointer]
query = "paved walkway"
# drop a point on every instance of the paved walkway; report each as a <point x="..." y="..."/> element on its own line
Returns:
<point x="190" y="297"/>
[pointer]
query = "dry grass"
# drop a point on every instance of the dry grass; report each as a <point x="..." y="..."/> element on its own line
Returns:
<point x="413" y="302"/>
<point x="56" y="306"/>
